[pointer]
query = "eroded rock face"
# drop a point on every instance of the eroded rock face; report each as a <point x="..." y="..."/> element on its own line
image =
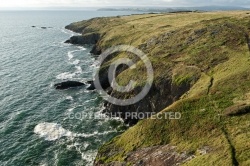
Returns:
<point x="96" y="50"/>
<point x="68" y="84"/>
<point x="159" y="97"/>
<point x="85" y="39"/>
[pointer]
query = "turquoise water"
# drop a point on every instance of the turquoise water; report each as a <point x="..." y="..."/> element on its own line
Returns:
<point x="38" y="124"/>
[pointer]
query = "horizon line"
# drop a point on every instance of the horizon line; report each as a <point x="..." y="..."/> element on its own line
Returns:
<point x="96" y="8"/>
<point x="132" y="6"/>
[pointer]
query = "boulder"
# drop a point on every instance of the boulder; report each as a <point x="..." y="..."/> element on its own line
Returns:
<point x="68" y="84"/>
<point x="92" y="85"/>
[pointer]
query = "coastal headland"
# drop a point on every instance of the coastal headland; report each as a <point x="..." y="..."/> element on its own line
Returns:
<point x="201" y="64"/>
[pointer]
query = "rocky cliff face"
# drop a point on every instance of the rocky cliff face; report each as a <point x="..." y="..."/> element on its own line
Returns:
<point x="159" y="97"/>
<point x="85" y="39"/>
<point x="201" y="70"/>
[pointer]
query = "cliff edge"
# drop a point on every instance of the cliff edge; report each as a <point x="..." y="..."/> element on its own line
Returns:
<point x="201" y="64"/>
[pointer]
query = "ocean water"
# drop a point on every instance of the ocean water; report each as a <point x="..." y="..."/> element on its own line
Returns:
<point x="38" y="124"/>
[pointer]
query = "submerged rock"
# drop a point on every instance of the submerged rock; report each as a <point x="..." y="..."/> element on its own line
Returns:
<point x="68" y="84"/>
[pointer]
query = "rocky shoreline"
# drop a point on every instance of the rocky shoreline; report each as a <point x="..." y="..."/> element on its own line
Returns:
<point x="160" y="96"/>
<point x="192" y="62"/>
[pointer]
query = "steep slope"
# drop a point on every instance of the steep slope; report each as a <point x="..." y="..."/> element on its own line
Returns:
<point x="201" y="70"/>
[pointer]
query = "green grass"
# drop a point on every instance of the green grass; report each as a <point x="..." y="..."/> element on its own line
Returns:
<point x="210" y="53"/>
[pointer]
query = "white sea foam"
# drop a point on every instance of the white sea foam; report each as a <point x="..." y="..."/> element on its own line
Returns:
<point x="81" y="48"/>
<point x="43" y="164"/>
<point x="87" y="72"/>
<point x="95" y="65"/>
<point x="69" y="98"/>
<point x="66" y="75"/>
<point x="78" y="70"/>
<point x="51" y="84"/>
<point x="71" y="33"/>
<point x="87" y="91"/>
<point x="71" y="109"/>
<point x="70" y="55"/>
<point x="76" y="145"/>
<point x="85" y="145"/>
<point x="76" y="62"/>
<point x="87" y="101"/>
<point x="89" y="156"/>
<point x="65" y="31"/>
<point x="54" y="131"/>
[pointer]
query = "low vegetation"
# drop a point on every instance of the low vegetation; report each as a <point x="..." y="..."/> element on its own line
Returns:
<point x="209" y="52"/>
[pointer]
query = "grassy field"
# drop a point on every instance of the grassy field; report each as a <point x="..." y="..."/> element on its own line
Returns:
<point x="209" y="51"/>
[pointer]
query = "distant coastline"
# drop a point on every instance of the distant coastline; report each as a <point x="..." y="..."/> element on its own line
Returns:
<point x="174" y="9"/>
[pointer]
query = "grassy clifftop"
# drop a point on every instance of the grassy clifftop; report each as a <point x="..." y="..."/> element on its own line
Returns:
<point x="202" y="57"/>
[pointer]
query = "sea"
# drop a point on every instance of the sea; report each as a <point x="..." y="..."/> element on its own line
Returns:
<point x="40" y="125"/>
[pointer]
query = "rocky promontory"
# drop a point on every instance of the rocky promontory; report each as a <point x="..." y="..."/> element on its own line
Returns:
<point x="201" y="70"/>
<point x="86" y="39"/>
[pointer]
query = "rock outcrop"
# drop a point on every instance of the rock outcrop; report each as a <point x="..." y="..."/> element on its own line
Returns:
<point x="91" y="85"/>
<point x="68" y="84"/>
<point x="86" y="39"/>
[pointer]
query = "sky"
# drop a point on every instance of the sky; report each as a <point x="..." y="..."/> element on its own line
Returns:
<point x="106" y="3"/>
